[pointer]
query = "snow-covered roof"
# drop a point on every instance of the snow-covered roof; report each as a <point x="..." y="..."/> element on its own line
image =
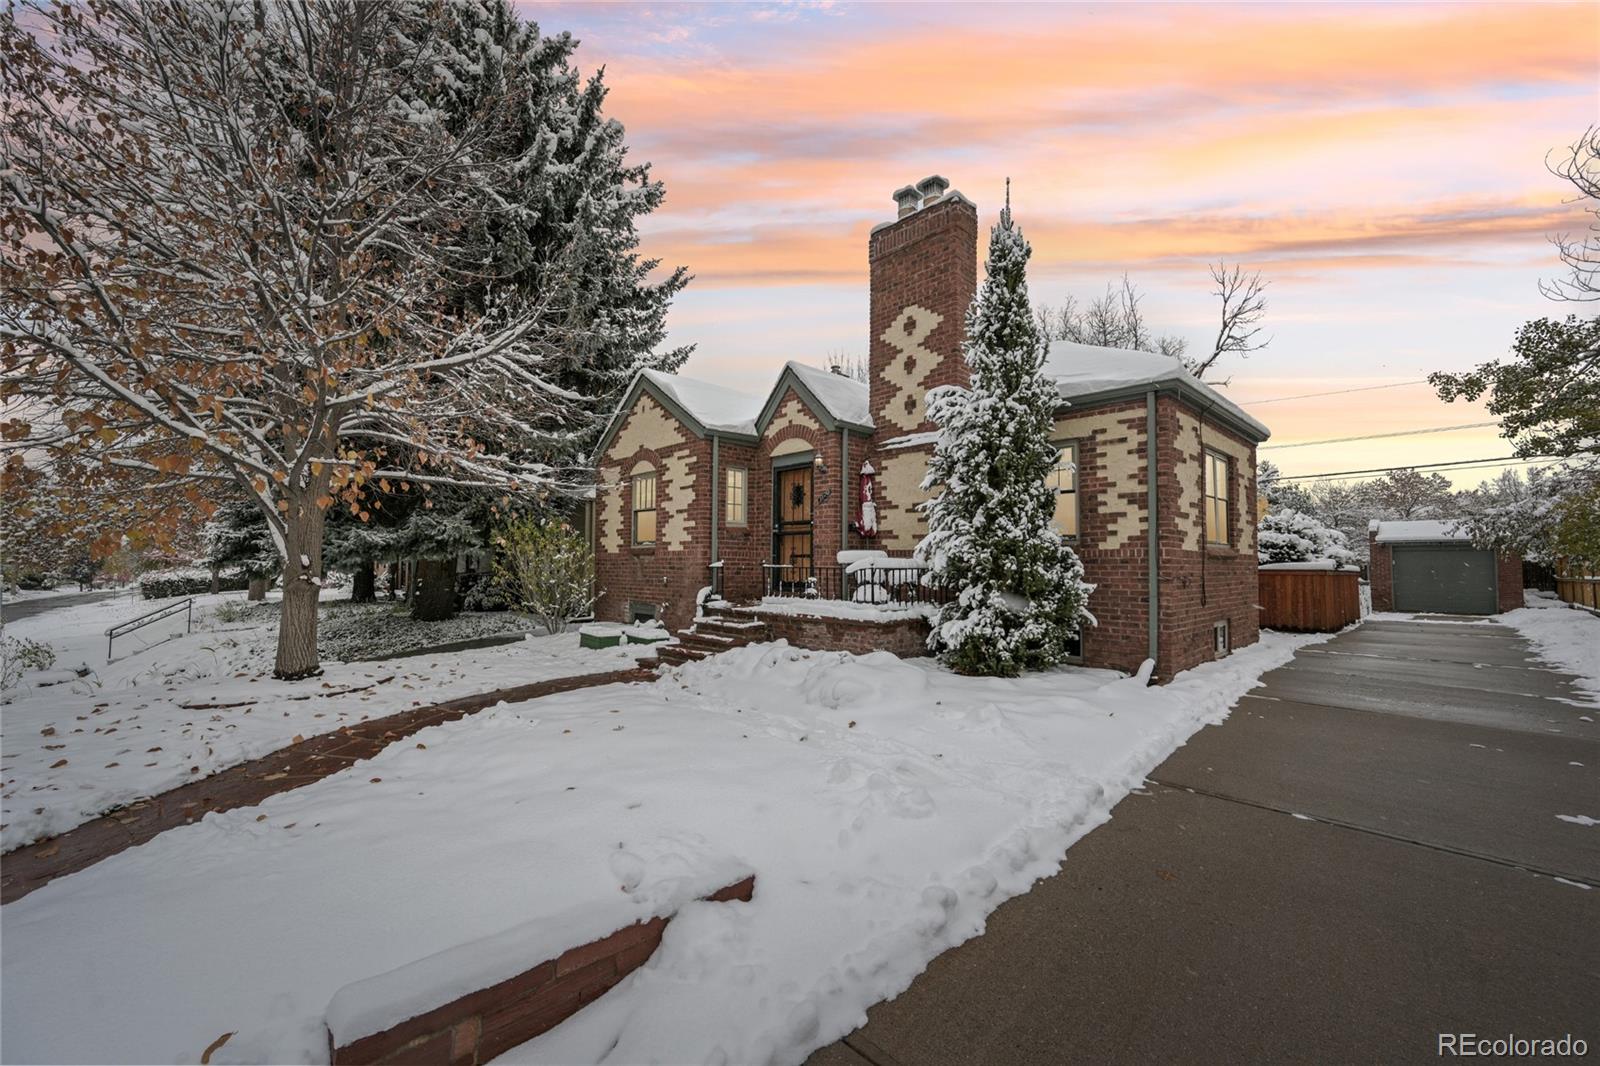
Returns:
<point x="1420" y="532"/>
<point x="1086" y="370"/>
<point x="845" y="398"/>
<point x="713" y="406"/>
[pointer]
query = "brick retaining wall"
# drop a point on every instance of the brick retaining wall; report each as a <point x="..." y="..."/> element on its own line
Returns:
<point x="487" y="1023"/>
<point x="905" y="637"/>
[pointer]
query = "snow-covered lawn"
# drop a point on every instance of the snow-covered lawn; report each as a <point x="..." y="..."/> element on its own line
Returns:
<point x="195" y="704"/>
<point x="1565" y="638"/>
<point x="885" y="805"/>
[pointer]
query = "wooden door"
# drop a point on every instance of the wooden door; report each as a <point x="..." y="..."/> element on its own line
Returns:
<point x="791" y="525"/>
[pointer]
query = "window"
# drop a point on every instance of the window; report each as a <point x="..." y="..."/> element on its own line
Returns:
<point x="1220" y="643"/>
<point x="735" y="509"/>
<point x="1216" y="498"/>
<point x="1063" y="479"/>
<point x="644" y="509"/>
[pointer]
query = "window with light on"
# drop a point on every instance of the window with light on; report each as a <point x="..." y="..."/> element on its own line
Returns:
<point x="1063" y="480"/>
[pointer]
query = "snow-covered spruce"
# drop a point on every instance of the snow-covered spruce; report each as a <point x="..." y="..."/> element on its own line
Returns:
<point x="1290" y="536"/>
<point x="1022" y="595"/>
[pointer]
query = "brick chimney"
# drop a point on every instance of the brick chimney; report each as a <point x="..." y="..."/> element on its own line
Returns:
<point x="924" y="267"/>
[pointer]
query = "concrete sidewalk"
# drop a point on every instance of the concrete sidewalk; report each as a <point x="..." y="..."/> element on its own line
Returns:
<point x="1366" y="854"/>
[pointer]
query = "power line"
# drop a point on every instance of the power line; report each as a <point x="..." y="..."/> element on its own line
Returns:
<point x="1380" y="436"/>
<point x="1331" y="392"/>
<point x="1509" y="460"/>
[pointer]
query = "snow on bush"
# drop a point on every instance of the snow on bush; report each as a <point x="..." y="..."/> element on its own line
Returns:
<point x="1020" y="594"/>
<point x="1295" y="537"/>
<point x="545" y="567"/>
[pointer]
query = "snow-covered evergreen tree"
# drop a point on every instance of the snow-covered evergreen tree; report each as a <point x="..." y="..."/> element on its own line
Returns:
<point x="574" y="199"/>
<point x="1021" y="596"/>
<point x="1296" y="537"/>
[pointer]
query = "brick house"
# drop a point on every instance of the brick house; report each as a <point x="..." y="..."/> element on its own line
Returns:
<point x="692" y="474"/>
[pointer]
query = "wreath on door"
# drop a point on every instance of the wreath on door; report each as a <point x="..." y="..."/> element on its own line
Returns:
<point x="797" y="495"/>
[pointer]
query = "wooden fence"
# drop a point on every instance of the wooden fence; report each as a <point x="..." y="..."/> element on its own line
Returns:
<point x="1310" y="601"/>
<point x="1580" y="587"/>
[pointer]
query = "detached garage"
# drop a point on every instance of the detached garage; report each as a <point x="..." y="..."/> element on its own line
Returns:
<point x="1430" y="567"/>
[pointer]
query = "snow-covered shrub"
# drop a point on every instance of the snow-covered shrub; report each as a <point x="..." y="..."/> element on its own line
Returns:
<point x="544" y="567"/>
<point x="187" y="581"/>
<point x="483" y="594"/>
<point x="19" y="654"/>
<point x="1295" y="537"/>
<point x="1020" y="594"/>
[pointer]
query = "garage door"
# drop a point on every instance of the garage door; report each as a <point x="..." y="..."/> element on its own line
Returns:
<point x="1448" y="579"/>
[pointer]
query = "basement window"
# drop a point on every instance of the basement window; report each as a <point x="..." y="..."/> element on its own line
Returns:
<point x="1220" y="643"/>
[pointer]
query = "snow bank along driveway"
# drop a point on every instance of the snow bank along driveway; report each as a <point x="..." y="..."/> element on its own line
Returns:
<point x="76" y="749"/>
<point x="885" y="805"/>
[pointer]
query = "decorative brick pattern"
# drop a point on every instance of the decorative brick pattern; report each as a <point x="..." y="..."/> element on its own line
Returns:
<point x="1200" y="584"/>
<point x="485" y="1024"/>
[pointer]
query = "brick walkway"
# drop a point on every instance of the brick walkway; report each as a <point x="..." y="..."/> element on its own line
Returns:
<point x="247" y="784"/>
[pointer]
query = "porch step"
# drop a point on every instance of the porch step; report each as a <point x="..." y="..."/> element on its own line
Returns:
<point x="712" y="633"/>
<point x="744" y="630"/>
<point x="678" y="654"/>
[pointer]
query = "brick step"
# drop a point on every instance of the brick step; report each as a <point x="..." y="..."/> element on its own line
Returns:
<point x="744" y="630"/>
<point x="677" y="654"/>
<point x="710" y="643"/>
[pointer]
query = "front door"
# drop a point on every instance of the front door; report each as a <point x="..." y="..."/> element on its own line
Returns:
<point x="791" y="528"/>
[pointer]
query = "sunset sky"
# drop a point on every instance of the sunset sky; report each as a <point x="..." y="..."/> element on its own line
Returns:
<point x="1383" y="166"/>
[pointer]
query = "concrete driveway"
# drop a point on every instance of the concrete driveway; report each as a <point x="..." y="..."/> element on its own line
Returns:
<point x="1366" y="854"/>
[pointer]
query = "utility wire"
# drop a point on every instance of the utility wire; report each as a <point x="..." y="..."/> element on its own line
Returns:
<point x="1380" y="436"/>
<point x="1508" y="460"/>
<point x="1331" y="392"/>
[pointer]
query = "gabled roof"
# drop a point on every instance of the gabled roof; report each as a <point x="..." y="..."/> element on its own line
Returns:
<point x="839" y="400"/>
<point x="713" y="409"/>
<point x="1087" y="372"/>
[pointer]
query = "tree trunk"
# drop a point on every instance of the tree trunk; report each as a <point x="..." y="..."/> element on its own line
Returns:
<point x="297" y="623"/>
<point x="258" y="588"/>
<point x="433" y="595"/>
<point x="364" y="586"/>
<point x="216" y="581"/>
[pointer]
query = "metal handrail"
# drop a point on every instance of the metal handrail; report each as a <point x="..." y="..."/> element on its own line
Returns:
<point x="149" y="617"/>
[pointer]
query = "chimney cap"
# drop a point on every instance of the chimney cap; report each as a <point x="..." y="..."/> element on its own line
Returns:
<point x="932" y="187"/>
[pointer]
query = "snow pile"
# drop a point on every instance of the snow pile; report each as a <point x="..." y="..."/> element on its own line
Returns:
<point x="886" y="806"/>
<point x="1568" y="640"/>
<point x="199" y="703"/>
<point x="865" y="610"/>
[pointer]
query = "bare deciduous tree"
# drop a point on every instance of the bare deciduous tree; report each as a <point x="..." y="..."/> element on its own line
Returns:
<point x="1580" y="167"/>
<point x="228" y="242"/>
<point x="1244" y="305"/>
